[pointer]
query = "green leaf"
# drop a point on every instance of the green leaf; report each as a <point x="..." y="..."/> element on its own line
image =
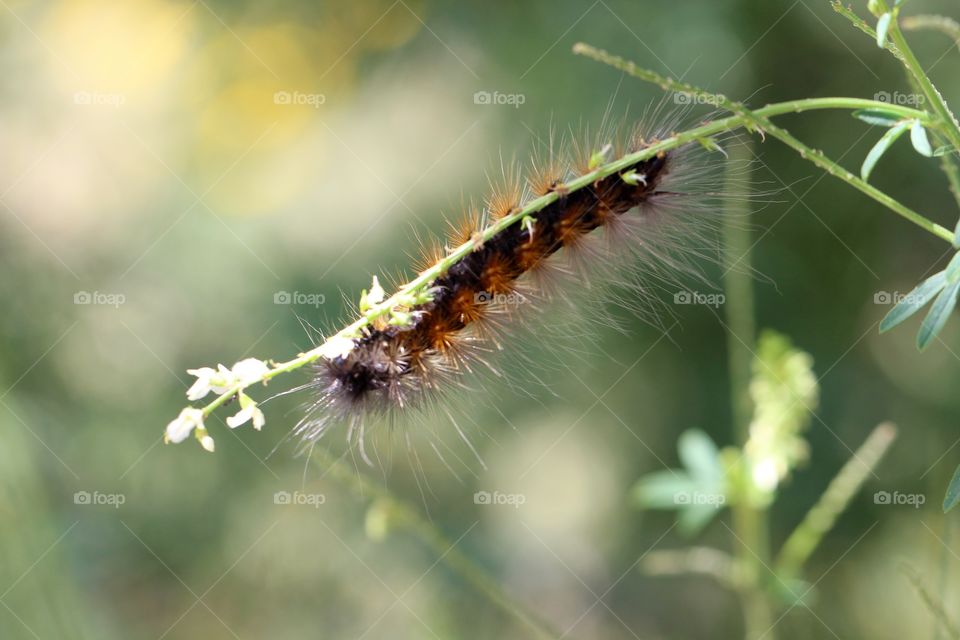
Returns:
<point x="918" y="136"/>
<point x="700" y="456"/>
<point x="693" y="518"/>
<point x="880" y="148"/>
<point x="914" y="301"/>
<point x="944" y="150"/>
<point x="953" y="492"/>
<point x="664" y="489"/>
<point x="953" y="269"/>
<point x="878" y="117"/>
<point x="956" y="235"/>
<point x="939" y="313"/>
<point x="883" y="25"/>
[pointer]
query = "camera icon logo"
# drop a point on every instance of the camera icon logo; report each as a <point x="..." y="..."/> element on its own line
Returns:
<point x="682" y="297"/>
<point x="882" y="497"/>
<point x="482" y="97"/>
<point x="282" y="97"/>
<point x="482" y="297"/>
<point x="482" y="497"/>
<point x="82" y="297"/>
<point x="81" y="497"/>
<point x="682" y="497"/>
<point x="282" y="297"/>
<point x="282" y="497"/>
<point x="882" y="96"/>
<point x="882" y="297"/>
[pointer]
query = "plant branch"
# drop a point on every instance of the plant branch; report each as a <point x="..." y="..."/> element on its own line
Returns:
<point x="759" y="119"/>
<point x="943" y="24"/>
<point x="821" y="518"/>
<point x="403" y="515"/>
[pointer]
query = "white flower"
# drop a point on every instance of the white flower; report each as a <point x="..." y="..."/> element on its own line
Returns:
<point x="209" y="380"/>
<point x="377" y="294"/>
<point x="249" y="371"/>
<point x="222" y="379"/>
<point x="207" y="443"/>
<point x="336" y="347"/>
<point x="248" y="410"/>
<point x="179" y="429"/>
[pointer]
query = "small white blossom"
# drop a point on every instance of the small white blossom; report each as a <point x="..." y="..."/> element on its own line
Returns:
<point x="209" y="380"/>
<point x="248" y="410"/>
<point x="336" y="347"/>
<point x="207" y="443"/>
<point x="179" y="429"/>
<point x="377" y="294"/>
<point x="222" y="379"/>
<point x="249" y="371"/>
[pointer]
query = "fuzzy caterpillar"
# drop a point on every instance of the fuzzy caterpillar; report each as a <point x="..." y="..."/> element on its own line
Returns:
<point x="651" y="210"/>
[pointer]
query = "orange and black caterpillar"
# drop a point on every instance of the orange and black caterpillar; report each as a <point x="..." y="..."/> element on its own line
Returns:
<point x="646" y="209"/>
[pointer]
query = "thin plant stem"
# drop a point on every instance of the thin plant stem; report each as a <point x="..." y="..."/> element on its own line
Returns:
<point x="749" y="523"/>
<point x="758" y="120"/>
<point x="821" y="518"/>
<point x="405" y="516"/>
<point x="934" y="604"/>
<point x="897" y="44"/>
<point x="943" y="24"/>
<point x="951" y="128"/>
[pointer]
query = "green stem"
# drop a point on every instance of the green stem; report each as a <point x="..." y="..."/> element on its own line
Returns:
<point x="951" y="128"/>
<point x="741" y="118"/>
<point x="408" y="518"/>
<point x="943" y="24"/>
<point x="758" y="119"/>
<point x="821" y="518"/>
<point x="749" y="523"/>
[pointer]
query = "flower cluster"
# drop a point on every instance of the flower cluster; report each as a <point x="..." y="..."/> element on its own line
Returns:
<point x="220" y="380"/>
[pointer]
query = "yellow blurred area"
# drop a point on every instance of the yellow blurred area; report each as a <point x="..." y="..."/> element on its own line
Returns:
<point x="236" y="94"/>
<point x="126" y="47"/>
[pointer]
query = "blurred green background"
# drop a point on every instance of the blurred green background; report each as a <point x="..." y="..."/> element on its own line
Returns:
<point x="189" y="160"/>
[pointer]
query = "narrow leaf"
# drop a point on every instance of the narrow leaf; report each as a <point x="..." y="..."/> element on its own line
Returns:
<point x="953" y="269"/>
<point x="877" y="117"/>
<point x="956" y="236"/>
<point x="914" y="301"/>
<point x="880" y="148"/>
<point x="953" y="492"/>
<point x="883" y="25"/>
<point x="939" y="313"/>
<point x="944" y="150"/>
<point x="918" y="136"/>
